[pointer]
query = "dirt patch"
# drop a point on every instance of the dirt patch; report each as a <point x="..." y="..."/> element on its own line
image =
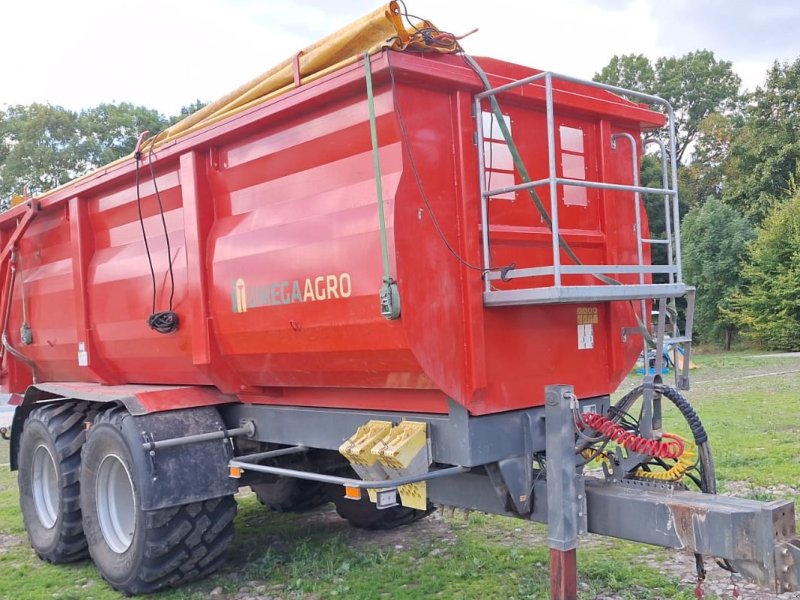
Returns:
<point x="433" y="527"/>
<point x="718" y="581"/>
<point x="745" y="489"/>
<point x="8" y="541"/>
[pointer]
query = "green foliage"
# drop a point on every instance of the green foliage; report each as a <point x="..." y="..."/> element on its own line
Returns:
<point x="770" y="304"/>
<point x="188" y="110"/>
<point x="715" y="239"/>
<point x="651" y="176"/>
<point x="765" y="155"/>
<point x="695" y="84"/>
<point x="44" y="146"/>
<point x="705" y="176"/>
<point x="630" y="71"/>
<point x="39" y="147"/>
<point x="109" y="131"/>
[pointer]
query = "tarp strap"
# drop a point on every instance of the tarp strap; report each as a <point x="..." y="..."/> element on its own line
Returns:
<point x="389" y="294"/>
<point x="376" y="163"/>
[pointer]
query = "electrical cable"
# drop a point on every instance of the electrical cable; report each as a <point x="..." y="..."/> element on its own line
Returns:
<point x="138" y="157"/>
<point x="166" y="321"/>
<point x="429" y="35"/>
<point x="705" y="463"/>
<point x="163" y="218"/>
<point x="672" y="448"/>
<point x="420" y="187"/>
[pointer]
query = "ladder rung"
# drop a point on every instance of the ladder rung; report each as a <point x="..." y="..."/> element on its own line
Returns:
<point x="652" y="241"/>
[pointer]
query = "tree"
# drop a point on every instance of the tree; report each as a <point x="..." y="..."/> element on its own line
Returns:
<point x="710" y="168"/>
<point x="764" y="157"/>
<point x="39" y="147"/>
<point x="715" y="241"/>
<point x="696" y="85"/>
<point x="188" y="110"/>
<point x="769" y="304"/>
<point x="44" y="146"/>
<point x="110" y="131"/>
<point x="629" y="71"/>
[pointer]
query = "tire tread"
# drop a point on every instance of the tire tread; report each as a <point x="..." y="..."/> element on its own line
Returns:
<point x="65" y="423"/>
<point x="178" y="540"/>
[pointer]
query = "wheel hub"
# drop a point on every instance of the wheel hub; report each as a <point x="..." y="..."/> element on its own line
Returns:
<point x="45" y="486"/>
<point x="116" y="503"/>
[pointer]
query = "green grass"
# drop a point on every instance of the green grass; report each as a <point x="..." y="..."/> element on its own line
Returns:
<point x="753" y="423"/>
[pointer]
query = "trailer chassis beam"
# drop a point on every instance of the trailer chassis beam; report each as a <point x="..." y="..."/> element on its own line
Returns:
<point x="758" y="538"/>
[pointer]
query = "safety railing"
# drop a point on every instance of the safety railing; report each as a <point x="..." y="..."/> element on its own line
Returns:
<point x="606" y="288"/>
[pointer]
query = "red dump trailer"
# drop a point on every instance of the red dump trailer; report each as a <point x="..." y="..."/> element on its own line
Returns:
<point x="372" y="281"/>
<point x="275" y="248"/>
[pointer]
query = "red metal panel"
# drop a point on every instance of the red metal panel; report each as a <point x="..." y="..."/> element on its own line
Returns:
<point x="82" y="242"/>
<point x="273" y="224"/>
<point x="44" y="292"/>
<point x="198" y="216"/>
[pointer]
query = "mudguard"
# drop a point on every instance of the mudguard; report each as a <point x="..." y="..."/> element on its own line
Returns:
<point x="180" y="474"/>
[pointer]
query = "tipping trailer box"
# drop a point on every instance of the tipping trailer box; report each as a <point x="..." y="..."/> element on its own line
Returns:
<point x="276" y="250"/>
<point x="212" y="313"/>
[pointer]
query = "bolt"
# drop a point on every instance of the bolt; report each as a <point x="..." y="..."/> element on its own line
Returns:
<point x="785" y="569"/>
<point x="580" y="514"/>
<point x="785" y="552"/>
<point x="580" y="496"/>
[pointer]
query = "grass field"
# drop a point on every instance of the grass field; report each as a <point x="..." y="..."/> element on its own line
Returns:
<point x="749" y="405"/>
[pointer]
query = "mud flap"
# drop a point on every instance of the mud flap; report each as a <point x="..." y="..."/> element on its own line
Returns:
<point x="180" y="474"/>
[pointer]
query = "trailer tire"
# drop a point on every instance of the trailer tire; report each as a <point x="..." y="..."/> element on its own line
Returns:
<point x="289" y="494"/>
<point x="48" y="479"/>
<point x="363" y="514"/>
<point x="140" y="551"/>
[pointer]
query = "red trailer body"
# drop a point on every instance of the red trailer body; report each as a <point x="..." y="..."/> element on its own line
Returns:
<point x="275" y="246"/>
<point x="284" y="372"/>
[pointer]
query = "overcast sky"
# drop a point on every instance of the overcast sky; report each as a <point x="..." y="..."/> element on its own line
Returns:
<point x="165" y="54"/>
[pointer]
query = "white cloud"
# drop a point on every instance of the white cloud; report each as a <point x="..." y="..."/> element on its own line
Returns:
<point x="165" y="54"/>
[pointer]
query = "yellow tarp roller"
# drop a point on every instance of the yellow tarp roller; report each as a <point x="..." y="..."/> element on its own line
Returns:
<point x="382" y="28"/>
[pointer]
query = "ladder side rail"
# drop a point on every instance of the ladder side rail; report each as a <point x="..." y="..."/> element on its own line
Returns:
<point x="484" y="197"/>
<point x="551" y="161"/>
<point x="665" y="185"/>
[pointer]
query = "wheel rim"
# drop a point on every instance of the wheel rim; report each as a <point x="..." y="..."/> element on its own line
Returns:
<point x="116" y="504"/>
<point x="45" y="486"/>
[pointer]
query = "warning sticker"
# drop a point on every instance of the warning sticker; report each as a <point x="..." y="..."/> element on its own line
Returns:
<point x="585" y="336"/>
<point x="587" y="315"/>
